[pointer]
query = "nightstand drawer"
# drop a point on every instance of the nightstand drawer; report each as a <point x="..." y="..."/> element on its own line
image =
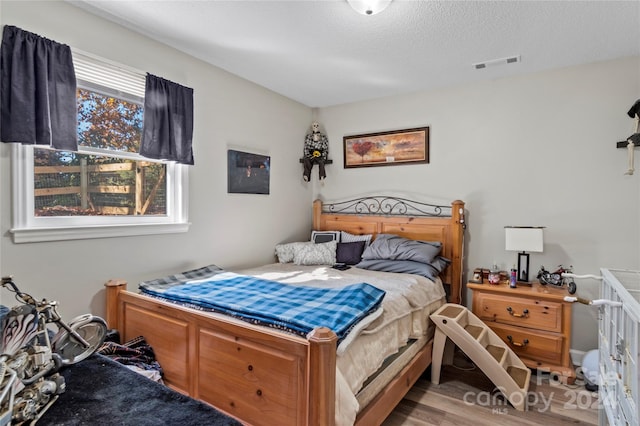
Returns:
<point x="537" y="318"/>
<point x="539" y="346"/>
<point x="522" y="312"/>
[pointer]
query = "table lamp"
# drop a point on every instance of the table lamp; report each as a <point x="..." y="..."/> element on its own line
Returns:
<point x="523" y="239"/>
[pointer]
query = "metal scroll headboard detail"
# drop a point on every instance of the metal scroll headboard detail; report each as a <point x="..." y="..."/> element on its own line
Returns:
<point x="390" y="206"/>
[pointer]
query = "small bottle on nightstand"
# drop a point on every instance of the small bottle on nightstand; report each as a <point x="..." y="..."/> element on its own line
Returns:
<point x="512" y="278"/>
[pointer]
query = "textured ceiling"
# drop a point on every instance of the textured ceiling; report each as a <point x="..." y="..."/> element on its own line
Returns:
<point x="323" y="53"/>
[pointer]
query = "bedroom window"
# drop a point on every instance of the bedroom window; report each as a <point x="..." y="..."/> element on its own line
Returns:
<point x="105" y="189"/>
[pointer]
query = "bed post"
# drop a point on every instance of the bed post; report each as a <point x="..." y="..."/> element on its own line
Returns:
<point x="459" y="224"/>
<point x="322" y="377"/>
<point x="317" y="214"/>
<point x="113" y="288"/>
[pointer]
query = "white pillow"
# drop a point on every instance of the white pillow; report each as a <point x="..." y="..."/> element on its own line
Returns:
<point x="315" y="253"/>
<point x="285" y="251"/>
<point x="346" y="237"/>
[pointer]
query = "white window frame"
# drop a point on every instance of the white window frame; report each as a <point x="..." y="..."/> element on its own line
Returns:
<point x="29" y="228"/>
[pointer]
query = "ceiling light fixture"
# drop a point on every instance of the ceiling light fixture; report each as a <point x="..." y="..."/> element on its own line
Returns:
<point x="369" y="7"/>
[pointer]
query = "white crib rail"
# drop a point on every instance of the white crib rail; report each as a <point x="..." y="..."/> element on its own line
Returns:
<point x="619" y="316"/>
<point x="596" y="302"/>
<point x="570" y="275"/>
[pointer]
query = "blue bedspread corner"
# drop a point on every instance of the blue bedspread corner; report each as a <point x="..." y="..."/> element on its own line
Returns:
<point x="299" y="309"/>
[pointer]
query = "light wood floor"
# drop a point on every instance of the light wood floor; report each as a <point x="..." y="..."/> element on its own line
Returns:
<point x="465" y="396"/>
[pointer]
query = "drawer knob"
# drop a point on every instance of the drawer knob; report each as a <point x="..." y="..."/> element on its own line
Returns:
<point x="524" y="313"/>
<point x="524" y="343"/>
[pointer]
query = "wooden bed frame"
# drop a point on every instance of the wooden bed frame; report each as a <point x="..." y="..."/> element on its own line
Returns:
<point x="265" y="377"/>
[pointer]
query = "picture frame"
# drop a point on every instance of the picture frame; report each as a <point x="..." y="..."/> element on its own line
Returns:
<point x="478" y="276"/>
<point x="408" y="146"/>
<point x="247" y="173"/>
<point x="324" y="236"/>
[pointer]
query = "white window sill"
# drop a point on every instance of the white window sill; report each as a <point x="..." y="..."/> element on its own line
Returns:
<point x="32" y="235"/>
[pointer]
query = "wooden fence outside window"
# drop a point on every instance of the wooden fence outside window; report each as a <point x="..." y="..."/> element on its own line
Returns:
<point x="135" y="199"/>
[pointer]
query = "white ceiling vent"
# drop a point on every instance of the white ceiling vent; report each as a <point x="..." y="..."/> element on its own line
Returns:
<point x="493" y="62"/>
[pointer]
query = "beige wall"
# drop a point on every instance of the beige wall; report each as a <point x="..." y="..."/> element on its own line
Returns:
<point x="230" y="230"/>
<point x="530" y="150"/>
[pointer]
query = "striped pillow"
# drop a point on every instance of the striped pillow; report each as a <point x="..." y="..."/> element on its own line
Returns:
<point x="346" y="237"/>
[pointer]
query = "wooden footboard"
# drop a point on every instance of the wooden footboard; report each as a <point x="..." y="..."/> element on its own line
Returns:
<point x="257" y="375"/>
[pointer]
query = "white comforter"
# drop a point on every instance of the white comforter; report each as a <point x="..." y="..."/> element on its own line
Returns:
<point x="403" y="316"/>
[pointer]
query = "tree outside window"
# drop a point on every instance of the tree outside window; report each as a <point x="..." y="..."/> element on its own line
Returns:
<point x="97" y="180"/>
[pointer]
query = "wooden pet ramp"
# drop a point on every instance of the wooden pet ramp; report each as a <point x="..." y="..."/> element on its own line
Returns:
<point x="458" y="325"/>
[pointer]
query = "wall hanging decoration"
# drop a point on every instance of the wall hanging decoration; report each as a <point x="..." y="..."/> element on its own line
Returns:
<point x="247" y="173"/>
<point x="316" y="151"/>
<point x="409" y="146"/>
<point x="633" y="140"/>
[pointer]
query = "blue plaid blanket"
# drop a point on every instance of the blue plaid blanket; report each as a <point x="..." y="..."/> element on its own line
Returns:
<point x="298" y="309"/>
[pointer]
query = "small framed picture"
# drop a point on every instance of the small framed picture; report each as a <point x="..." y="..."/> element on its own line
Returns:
<point x="477" y="276"/>
<point x="247" y="173"/>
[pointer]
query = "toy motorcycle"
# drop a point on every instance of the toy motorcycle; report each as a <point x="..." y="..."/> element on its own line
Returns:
<point x="557" y="278"/>
<point x="30" y="358"/>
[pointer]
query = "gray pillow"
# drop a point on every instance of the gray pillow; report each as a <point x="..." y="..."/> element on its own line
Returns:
<point x="401" y="266"/>
<point x="440" y="263"/>
<point x="394" y="247"/>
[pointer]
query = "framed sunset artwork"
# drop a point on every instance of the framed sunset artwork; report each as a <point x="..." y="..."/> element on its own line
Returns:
<point x="409" y="146"/>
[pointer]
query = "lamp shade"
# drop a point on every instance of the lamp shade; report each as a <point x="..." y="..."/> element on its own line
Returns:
<point x="524" y="238"/>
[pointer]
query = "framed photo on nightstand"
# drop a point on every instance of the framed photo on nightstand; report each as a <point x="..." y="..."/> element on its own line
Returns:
<point x="477" y="276"/>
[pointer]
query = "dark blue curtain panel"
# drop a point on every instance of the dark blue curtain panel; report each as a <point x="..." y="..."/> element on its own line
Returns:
<point x="168" y="121"/>
<point x="37" y="91"/>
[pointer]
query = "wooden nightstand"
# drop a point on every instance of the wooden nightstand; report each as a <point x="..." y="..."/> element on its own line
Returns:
<point x="534" y="320"/>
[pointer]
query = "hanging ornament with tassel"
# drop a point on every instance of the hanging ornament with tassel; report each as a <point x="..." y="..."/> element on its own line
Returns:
<point x="633" y="140"/>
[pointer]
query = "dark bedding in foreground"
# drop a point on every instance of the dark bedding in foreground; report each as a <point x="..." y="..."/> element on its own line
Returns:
<point x="103" y="392"/>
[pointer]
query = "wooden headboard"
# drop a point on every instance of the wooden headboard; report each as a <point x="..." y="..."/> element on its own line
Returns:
<point x="407" y="218"/>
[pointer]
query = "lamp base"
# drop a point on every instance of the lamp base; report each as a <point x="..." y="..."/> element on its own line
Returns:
<point x="523" y="267"/>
